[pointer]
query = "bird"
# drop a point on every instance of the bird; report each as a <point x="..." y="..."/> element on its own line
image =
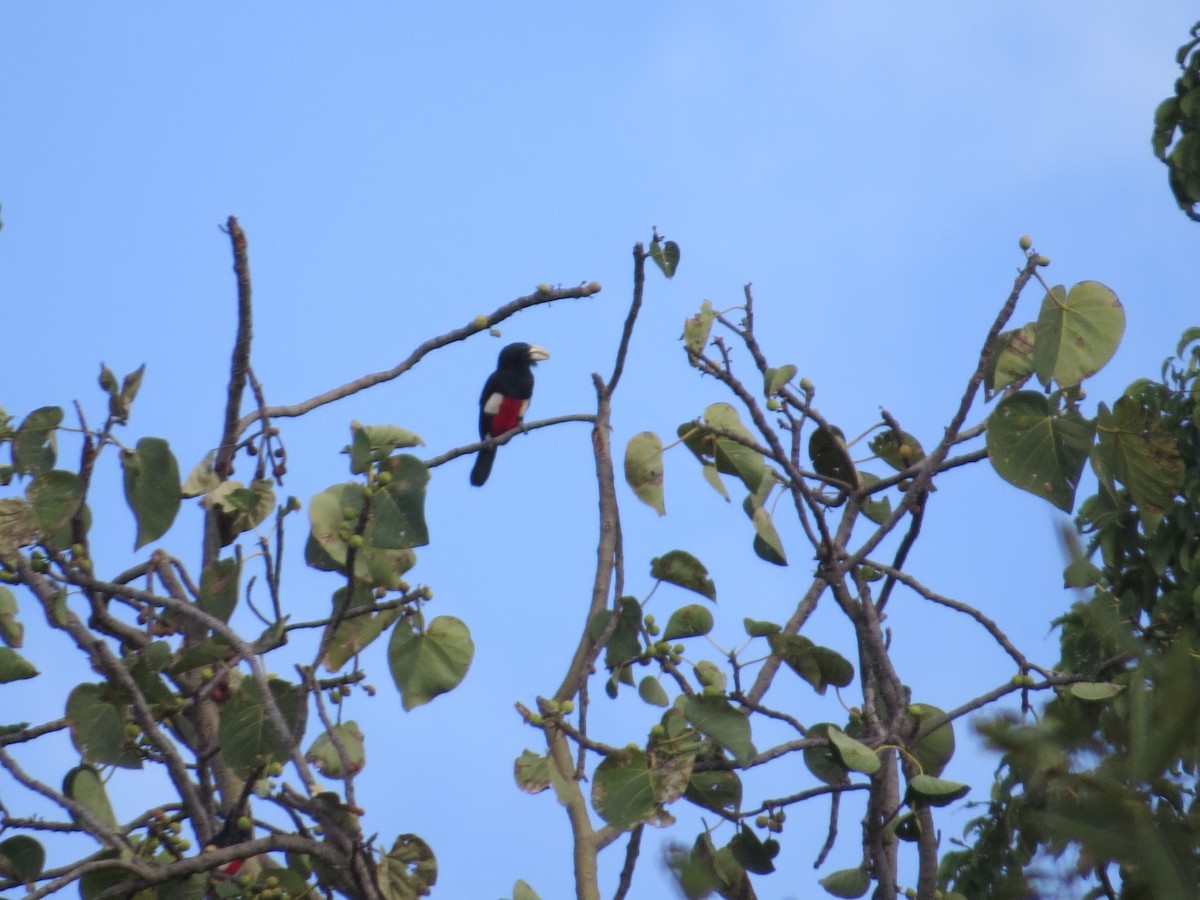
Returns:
<point x="504" y="400"/>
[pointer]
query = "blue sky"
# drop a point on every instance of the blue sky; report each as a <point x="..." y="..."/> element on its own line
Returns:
<point x="402" y="168"/>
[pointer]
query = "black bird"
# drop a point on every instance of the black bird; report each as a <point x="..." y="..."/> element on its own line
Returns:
<point x="504" y="400"/>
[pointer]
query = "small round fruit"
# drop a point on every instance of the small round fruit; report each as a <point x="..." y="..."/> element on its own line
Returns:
<point x="244" y="823"/>
<point x="593" y="287"/>
<point x="806" y="386"/>
<point x="1026" y="242"/>
<point x="543" y="288"/>
<point x="568" y="707"/>
<point x="1043" y="261"/>
<point x="481" y="322"/>
<point x="356" y="541"/>
<point x="762" y="821"/>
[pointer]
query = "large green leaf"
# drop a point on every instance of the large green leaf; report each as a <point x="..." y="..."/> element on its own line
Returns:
<point x="151" y="488"/>
<point x="822" y="761"/>
<point x="934" y="750"/>
<point x="692" y="620"/>
<point x="98" y="727"/>
<point x="768" y="545"/>
<point x="324" y="754"/>
<point x="644" y="469"/>
<point x="847" y="883"/>
<point x="408" y="870"/>
<point x="1077" y="332"/>
<point x="1038" y="450"/>
<point x="14" y="667"/>
<point x="683" y="570"/>
<point x="374" y="443"/>
<point x="731" y="457"/>
<point x="1011" y="359"/>
<point x="853" y="754"/>
<point x="356" y="632"/>
<point x="35" y="445"/>
<point x="714" y="717"/>
<point x="1135" y="448"/>
<point x="55" y="496"/>
<point x="247" y="735"/>
<point x="665" y="256"/>
<point x="219" y="588"/>
<point x="830" y="456"/>
<point x="21" y="858"/>
<point x="623" y="790"/>
<point x="83" y="785"/>
<point x="427" y="662"/>
<point x="12" y="632"/>
<point x="397" y="520"/>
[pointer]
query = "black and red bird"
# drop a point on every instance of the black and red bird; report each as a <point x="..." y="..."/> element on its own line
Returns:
<point x="504" y="400"/>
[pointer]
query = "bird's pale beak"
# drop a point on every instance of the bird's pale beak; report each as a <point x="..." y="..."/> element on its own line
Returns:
<point x="537" y="354"/>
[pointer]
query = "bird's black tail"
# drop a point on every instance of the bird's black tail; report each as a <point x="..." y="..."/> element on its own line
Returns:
<point x="483" y="466"/>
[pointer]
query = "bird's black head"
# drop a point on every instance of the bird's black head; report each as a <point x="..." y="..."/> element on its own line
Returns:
<point x="521" y="356"/>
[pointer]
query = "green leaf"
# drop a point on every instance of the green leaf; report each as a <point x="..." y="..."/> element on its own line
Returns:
<point x="697" y="328"/>
<point x="55" y="496"/>
<point x="665" y="256"/>
<point x="830" y="456"/>
<point x="688" y="621"/>
<point x="425" y="663"/>
<point x="900" y="455"/>
<point x="623" y="792"/>
<point x="625" y="643"/>
<point x="775" y="379"/>
<point x="767" y="543"/>
<point x="680" y="568"/>
<point x="219" y="588"/>
<point x="717" y="789"/>
<point x="751" y="853"/>
<point x="357" y="632"/>
<point x="934" y="751"/>
<point x="83" y="785"/>
<point x="241" y="508"/>
<point x="201" y="479"/>
<point x="98" y="727"/>
<point x="408" y="870"/>
<point x="12" y="632"/>
<point x="531" y="771"/>
<point x="875" y="507"/>
<point x="822" y="761"/>
<point x="854" y="755"/>
<point x="522" y="891"/>
<point x="324" y="755"/>
<point x="1136" y="448"/>
<point x="246" y="734"/>
<point x="1077" y="332"/>
<point x="819" y="666"/>
<point x="755" y="628"/>
<point x="715" y="718"/>
<point x="151" y="488"/>
<point x="21" y="858"/>
<point x="15" y="667"/>
<point x="935" y="791"/>
<point x="1095" y="691"/>
<point x="372" y="444"/>
<point x="397" y="520"/>
<point x="652" y="692"/>
<point x="644" y="469"/>
<point x="35" y="445"/>
<point x="731" y="457"/>
<point x="847" y="883"/>
<point x="1037" y="450"/>
<point x="1011" y="359"/>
